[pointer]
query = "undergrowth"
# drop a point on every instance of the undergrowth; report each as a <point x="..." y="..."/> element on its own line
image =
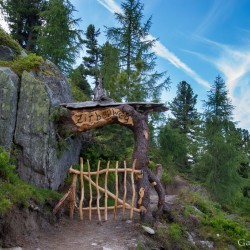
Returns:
<point x="8" y="41"/>
<point x="214" y="223"/>
<point x="21" y="63"/>
<point x="16" y="192"/>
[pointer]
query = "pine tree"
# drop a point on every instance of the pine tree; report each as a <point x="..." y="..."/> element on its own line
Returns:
<point x="92" y="60"/>
<point x="220" y="159"/>
<point x="24" y="19"/>
<point x="59" y="40"/>
<point x="137" y="61"/>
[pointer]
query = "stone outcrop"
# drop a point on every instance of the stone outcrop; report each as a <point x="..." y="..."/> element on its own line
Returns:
<point x="9" y="82"/>
<point x="26" y="126"/>
<point x="6" y="53"/>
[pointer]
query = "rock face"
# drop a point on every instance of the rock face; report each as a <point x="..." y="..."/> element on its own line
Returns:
<point x="6" y="54"/>
<point x="8" y="105"/>
<point x="25" y="122"/>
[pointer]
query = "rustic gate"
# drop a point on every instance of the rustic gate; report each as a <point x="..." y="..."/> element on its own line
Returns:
<point x="92" y="180"/>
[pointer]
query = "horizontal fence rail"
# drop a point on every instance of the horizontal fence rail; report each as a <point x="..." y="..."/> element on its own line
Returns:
<point x="90" y="182"/>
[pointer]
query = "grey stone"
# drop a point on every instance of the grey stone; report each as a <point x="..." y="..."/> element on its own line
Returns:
<point x="6" y="53"/>
<point x="206" y="243"/>
<point x="8" y="105"/>
<point x="35" y="134"/>
<point x="148" y="229"/>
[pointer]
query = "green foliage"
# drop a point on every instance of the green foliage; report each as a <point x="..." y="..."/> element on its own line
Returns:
<point x="220" y="156"/>
<point x="21" y="63"/>
<point x="173" y="147"/>
<point x="6" y="169"/>
<point x="137" y="61"/>
<point x="77" y="94"/>
<point x="139" y="246"/>
<point x="28" y="63"/>
<point x="92" y="60"/>
<point x="15" y="192"/>
<point x="232" y="229"/>
<point x="183" y="108"/>
<point x="58" y="114"/>
<point x="23" y="19"/>
<point x="175" y="232"/>
<point x="111" y="143"/>
<point x="8" y="41"/>
<point x="214" y="220"/>
<point x="80" y="87"/>
<point x="110" y="71"/>
<point x="59" y="40"/>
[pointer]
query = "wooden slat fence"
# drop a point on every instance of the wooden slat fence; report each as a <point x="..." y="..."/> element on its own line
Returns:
<point x="92" y="180"/>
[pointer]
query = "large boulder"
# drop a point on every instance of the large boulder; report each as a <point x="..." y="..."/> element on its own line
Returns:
<point x="36" y="136"/>
<point x="9" y="82"/>
<point x="6" y="53"/>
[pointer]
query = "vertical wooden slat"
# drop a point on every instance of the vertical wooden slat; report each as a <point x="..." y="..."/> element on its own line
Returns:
<point x="125" y="189"/>
<point x="82" y="189"/>
<point x="106" y="193"/>
<point x="116" y="188"/>
<point x="73" y="195"/>
<point x="98" y="192"/>
<point x="90" y="193"/>
<point x="133" y="190"/>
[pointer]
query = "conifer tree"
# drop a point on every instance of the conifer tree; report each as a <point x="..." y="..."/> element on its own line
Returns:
<point x="77" y="77"/>
<point x="220" y="160"/>
<point x="110" y="71"/>
<point x="92" y="60"/>
<point x="183" y="108"/>
<point x="137" y="61"/>
<point x="59" y="40"/>
<point x="185" y="123"/>
<point x="24" y="18"/>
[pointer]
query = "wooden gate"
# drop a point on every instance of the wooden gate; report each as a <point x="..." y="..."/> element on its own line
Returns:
<point x="91" y="180"/>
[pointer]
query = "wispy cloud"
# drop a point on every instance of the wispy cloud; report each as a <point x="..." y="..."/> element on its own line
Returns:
<point x="110" y="5"/>
<point x="221" y="10"/>
<point x="159" y="49"/>
<point x="234" y="64"/>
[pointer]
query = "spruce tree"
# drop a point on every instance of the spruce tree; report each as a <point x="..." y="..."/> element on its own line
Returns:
<point x="220" y="159"/>
<point x="184" y="122"/>
<point x="183" y="108"/>
<point x="93" y="53"/>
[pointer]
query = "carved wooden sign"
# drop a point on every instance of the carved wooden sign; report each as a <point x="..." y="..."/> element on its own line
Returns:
<point x="86" y="119"/>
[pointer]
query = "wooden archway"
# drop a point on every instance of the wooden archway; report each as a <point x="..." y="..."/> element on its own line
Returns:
<point x="88" y="115"/>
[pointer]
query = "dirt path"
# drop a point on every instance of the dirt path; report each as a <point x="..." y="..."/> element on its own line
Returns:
<point x="113" y="234"/>
<point x="75" y="234"/>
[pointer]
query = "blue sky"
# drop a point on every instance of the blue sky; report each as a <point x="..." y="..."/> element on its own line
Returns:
<point x="198" y="39"/>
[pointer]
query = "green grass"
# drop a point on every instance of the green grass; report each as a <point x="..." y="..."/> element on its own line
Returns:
<point x="6" y="40"/>
<point x="16" y="192"/>
<point x="20" y="63"/>
<point x="215" y="225"/>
